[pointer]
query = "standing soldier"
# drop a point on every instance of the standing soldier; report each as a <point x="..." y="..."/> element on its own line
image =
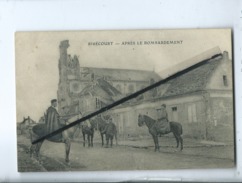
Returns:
<point x="110" y="131"/>
<point x="162" y="123"/>
<point x="52" y="121"/>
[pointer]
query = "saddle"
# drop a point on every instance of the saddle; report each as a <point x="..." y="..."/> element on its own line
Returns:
<point x="40" y="130"/>
<point x="162" y="127"/>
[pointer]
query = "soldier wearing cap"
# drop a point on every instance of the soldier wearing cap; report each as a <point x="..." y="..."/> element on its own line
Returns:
<point x="52" y="120"/>
<point x="109" y="130"/>
<point x="162" y="119"/>
<point x="162" y="114"/>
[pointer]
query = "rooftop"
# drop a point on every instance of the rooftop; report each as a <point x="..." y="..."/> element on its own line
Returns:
<point x="208" y="54"/>
<point x="193" y="80"/>
<point x="124" y="74"/>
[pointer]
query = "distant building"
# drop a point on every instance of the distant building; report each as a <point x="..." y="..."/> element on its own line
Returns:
<point x="24" y="126"/>
<point x="200" y="99"/>
<point x="86" y="89"/>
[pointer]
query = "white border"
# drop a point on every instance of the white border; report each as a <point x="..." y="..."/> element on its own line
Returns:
<point x="50" y="15"/>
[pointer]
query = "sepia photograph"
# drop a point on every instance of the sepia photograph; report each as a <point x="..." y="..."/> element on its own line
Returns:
<point x="184" y="121"/>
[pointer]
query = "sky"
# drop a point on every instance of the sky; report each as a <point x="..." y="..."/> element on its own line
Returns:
<point x="37" y="55"/>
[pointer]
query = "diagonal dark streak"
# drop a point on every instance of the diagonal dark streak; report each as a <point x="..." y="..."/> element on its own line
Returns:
<point x="122" y="100"/>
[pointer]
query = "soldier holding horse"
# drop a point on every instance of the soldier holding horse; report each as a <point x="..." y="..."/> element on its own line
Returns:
<point x="88" y="128"/>
<point x="110" y="131"/>
<point x="106" y="128"/>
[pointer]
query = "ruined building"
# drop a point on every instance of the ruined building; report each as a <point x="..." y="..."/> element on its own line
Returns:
<point x="86" y="89"/>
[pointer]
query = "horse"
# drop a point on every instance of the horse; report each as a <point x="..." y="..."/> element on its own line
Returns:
<point x="175" y="128"/>
<point x="38" y="131"/>
<point x="108" y="134"/>
<point x="88" y="129"/>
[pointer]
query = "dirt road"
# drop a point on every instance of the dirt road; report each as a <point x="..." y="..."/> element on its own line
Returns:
<point x="124" y="157"/>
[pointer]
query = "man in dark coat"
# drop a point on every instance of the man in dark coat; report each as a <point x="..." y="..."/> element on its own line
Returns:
<point x="52" y="121"/>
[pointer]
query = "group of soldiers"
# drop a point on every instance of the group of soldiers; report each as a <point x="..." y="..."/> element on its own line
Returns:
<point x="52" y="120"/>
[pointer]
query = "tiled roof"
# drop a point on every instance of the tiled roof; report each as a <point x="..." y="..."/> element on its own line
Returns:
<point x="193" y="80"/>
<point x="124" y="74"/>
<point x="208" y="54"/>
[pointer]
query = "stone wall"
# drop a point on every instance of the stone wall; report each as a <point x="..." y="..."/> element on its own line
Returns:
<point x="222" y="120"/>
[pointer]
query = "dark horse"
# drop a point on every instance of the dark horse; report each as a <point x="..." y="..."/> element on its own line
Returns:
<point x="108" y="134"/>
<point x="39" y="130"/>
<point x="88" y="128"/>
<point x="175" y="128"/>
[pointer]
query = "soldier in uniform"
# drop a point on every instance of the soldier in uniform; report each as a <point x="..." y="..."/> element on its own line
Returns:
<point x="109" y="130"/>
<point x="52" y="121"/>
<point x="162" y="123"/>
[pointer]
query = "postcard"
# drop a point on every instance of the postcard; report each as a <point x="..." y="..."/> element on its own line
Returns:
<point x="174" y="90"/>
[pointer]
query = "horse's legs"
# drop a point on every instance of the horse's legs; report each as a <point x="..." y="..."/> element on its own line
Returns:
<point x="154" y="138"/>
<point x="88" y="138"/>
<point x="154" y="142"/>
<point x="155" y="134"/>
<point x="116" y="139"/>
<point x="157" y="143"/>
<point x="102" y="139"/>
<point x="92" y="139"/>
<point x="177" y="140"/>
<point x="37" y="150"/>
<point x="68" y="147"/>
<point x="84" y="140"/>
<point x="111" y="141"/>
<point x="107" y="140"/>
<point x="32" y="149"/>
<point x="181" y="140"/>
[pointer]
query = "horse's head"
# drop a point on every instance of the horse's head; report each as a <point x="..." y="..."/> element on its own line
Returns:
<point x="141" y="120"/>
<point x="93" y="123"/>
<point x="100" y="122"/>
